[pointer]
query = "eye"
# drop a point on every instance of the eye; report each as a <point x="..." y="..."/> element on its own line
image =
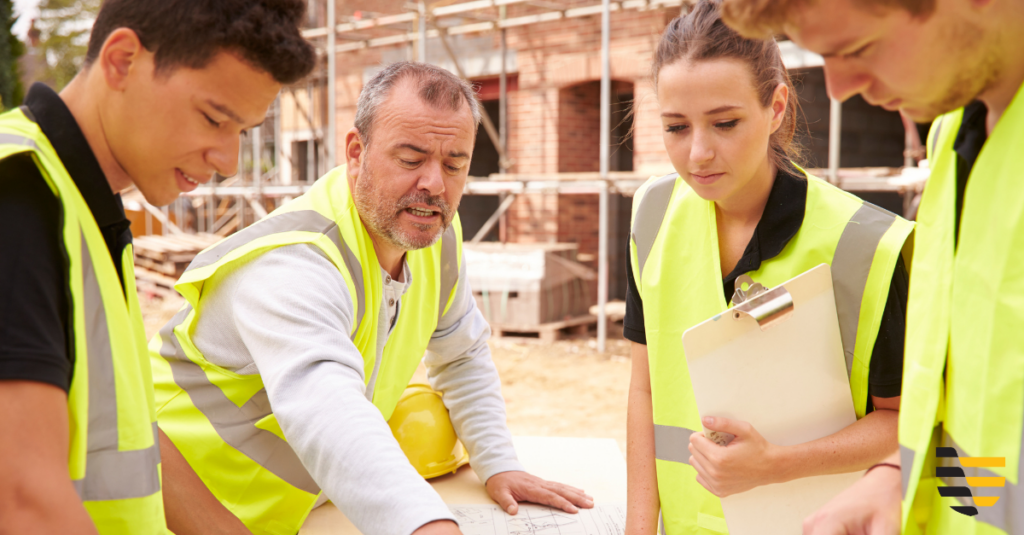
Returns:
<point x="727" y="125"/>
<point x="211" y="121"/>
<point x="676" y="128"/>
<point x="454" y="168"/>
<point x="408" y="163"/>
<point x="860" y="51"/>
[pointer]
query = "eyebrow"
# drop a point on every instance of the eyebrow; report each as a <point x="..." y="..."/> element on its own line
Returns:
<point x="231" y="114"/>
<point x="414" y="148"/>
<point x="720" y="109"/>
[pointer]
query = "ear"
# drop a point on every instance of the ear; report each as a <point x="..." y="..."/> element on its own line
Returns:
<point x="120" y="53"/>
<point x="355" y="150"/>
<point x="780" y="103"/>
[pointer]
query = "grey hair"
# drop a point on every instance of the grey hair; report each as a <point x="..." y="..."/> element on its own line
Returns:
<point x="437" y="87"/>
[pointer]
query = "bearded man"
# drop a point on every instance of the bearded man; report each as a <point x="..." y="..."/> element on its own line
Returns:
<point x="301" y="332"/>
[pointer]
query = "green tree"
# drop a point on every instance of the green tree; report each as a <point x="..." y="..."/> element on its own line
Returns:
<point x="64" y="27"/>
<point x="11" y="91"/>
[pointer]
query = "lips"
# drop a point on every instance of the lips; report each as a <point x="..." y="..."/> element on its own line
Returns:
<point x="706" y="178"/>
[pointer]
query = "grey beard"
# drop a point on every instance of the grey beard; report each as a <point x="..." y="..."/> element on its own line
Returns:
<point x="381" y="216"/>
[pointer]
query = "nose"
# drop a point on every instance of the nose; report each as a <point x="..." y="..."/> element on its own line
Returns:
<point x="432" y="179"/>
<point x="843" y="80"/>
<point x="700" y="147"/>
<point x="223" y="156"/>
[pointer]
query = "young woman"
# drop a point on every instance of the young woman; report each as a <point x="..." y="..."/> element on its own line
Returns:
<point x="739" y="205"/>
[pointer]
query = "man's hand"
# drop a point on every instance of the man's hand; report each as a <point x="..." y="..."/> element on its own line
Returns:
<point x="746" y="462"/>
<point x="510" y="488"/>
<point x="870" y="506"/>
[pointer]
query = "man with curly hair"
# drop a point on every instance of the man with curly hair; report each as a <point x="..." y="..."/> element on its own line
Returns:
<point x="166" y="89"/>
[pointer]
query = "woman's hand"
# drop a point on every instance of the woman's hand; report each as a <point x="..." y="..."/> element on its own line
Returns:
<point x="748" y="461"/>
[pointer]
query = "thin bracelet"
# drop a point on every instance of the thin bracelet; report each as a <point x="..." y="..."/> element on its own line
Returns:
<point x="891" y="465"/>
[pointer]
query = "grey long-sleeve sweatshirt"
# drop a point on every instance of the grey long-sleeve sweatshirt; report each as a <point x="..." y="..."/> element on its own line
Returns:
<point x="287" y="316"/>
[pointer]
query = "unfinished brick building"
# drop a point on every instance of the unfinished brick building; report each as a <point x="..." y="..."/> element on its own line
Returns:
<point x="552" y="122"/>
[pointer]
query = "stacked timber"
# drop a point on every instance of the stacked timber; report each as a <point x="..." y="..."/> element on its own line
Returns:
<point x="531" y="289"/>
<point x="160" y="260"/>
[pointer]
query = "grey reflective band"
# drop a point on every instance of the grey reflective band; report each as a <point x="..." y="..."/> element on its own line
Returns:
<point x="851" y="265"/>
<point x="649" y="216"/>
<point x="672" y="443"/>
<point x="1008" y="513"/>
<point x="110" y="474"/>
<point x="935" y="137"/>
<point x="449" y="268"/>
<point x="235" y="425"/>
<point x="297" y="221"/>
<point x="906" y="467"/>
<point x="11" y="139"/>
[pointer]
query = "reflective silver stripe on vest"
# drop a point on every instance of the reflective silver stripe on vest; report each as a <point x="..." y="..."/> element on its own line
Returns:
<point x="109" y="474"/>
<point x="301" y="221"/>
<point x="235" y="425"/>
<point x="649" y="216"/>
<point x="449" y="268"/>
<point x="1008" y="513"/>
<point x="11" y="139"/>
<point x="906" y="467"/>
<point x="672" y="443"/>
<point x="851" y="266"/>
<point x="935" y="138"/>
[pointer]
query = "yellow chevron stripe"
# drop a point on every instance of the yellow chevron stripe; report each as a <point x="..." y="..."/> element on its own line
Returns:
<point x="985" y="501"/>
<point x="986" y="481"/>
<point x="983" y="462"/>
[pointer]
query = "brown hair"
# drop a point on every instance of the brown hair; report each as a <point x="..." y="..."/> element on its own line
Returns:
<point x="764" y="18"/>
<point x="701" y="36"/>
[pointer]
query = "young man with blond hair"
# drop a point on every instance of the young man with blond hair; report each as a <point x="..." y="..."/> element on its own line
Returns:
<point x="961" y="64"/>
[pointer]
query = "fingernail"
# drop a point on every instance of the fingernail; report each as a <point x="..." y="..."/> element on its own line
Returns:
<point x="511" y="510"/>
<point x="574" y="509"/>
<point x="590" y="502"/>
<point x="708" y="420"/>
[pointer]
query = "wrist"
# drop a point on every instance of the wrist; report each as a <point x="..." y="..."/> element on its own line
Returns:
<point x="780" y="465"/>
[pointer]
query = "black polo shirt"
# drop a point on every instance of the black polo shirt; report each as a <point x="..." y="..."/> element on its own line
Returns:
<point x="780" y="221"/>
<point x="35" y="333"/>
<point x="968" y="143"/>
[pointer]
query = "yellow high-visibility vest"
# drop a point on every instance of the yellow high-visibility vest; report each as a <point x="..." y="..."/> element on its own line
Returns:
<point x="222" y="422"/>
<point x="114" y="454"/>
<point x="963" y="381"/>
<point x="675" y="259"/>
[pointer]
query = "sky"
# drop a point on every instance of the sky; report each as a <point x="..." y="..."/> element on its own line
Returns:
<point x="27" y="9"/>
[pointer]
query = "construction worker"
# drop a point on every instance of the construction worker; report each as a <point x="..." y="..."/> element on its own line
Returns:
<point x="166" y="88"/>
<point x="301" y="332"/>
<point x="960" y="63"/>
<point x="737" y="206"/>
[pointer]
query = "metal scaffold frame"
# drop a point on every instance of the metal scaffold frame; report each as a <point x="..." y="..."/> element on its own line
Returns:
<point x="269" y="177"/>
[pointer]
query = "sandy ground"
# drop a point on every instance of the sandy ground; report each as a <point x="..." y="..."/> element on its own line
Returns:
<point x="565" y="389"/>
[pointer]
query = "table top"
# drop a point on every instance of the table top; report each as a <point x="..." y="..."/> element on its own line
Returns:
<point x="593" y="464"/>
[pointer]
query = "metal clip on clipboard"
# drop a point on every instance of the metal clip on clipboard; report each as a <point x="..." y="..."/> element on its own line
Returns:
<point x="768" y="307"/>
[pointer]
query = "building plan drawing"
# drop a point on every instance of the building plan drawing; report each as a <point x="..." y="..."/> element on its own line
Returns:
<point x="540" y="520"/>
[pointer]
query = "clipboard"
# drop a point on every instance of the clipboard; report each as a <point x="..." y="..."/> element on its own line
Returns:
<point x="776" y="361"/>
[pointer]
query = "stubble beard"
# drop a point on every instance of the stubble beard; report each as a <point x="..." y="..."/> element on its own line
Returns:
<point x="979" y="72"/>
<point x="381" y="215"/>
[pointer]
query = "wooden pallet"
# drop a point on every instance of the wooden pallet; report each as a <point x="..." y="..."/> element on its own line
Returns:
<point x="548" y="332"/>
<point x="170" y="255"/>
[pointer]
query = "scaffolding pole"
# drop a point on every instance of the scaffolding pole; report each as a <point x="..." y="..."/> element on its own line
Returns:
<point x="835" y="129"/>
<point x="332" y="52"/>
<point x="602" y="232"/>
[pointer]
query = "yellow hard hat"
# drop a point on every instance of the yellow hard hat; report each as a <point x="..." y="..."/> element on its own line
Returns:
<point x="424" y="430"/>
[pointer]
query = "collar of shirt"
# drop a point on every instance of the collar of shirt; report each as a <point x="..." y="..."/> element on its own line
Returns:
<point x="972" y="134"/>
<point x="783" y="214"/>
<point x="56" y="121"/>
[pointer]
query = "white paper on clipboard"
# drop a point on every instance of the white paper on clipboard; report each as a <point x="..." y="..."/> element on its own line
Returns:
<point x="789" y="382"/>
